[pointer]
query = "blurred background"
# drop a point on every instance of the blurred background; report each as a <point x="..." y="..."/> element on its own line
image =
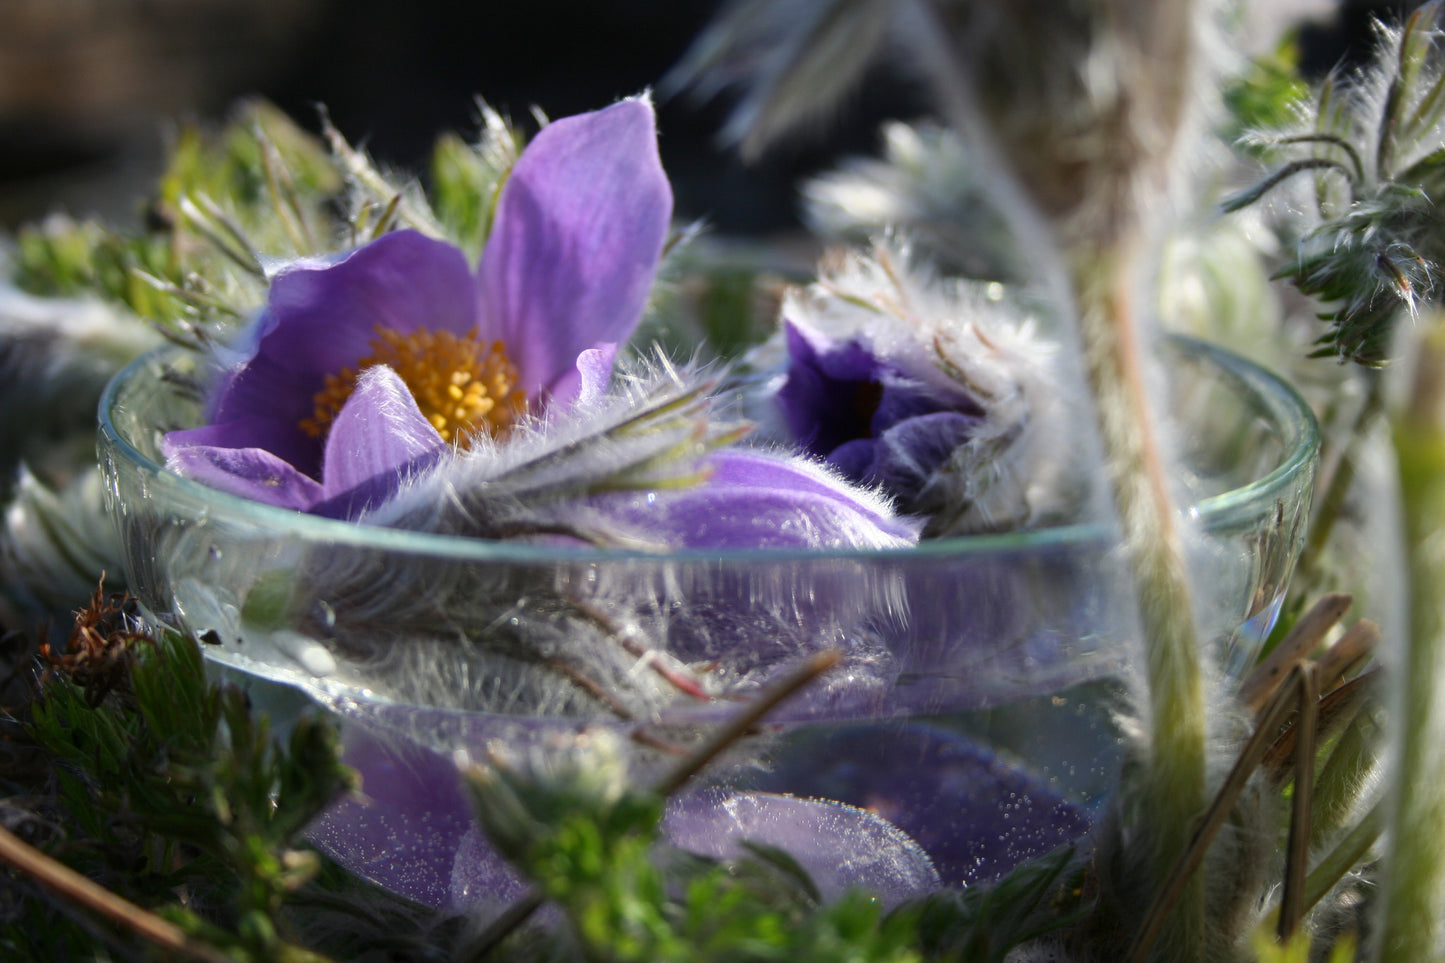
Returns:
<point x="89" y="88"/>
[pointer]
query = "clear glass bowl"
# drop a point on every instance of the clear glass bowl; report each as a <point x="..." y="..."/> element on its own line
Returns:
<point x="969" y="725"/>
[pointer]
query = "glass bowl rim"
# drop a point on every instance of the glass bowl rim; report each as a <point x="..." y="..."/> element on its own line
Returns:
<point x="1217" y="512"/>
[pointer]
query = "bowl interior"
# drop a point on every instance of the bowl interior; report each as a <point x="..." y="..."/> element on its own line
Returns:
<point x="454" y="623"/>
<point x="974" y="706"/>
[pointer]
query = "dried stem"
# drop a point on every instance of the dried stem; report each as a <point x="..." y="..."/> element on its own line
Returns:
<point x="1307" y="634"/>
<point x="1292" y="903"/>
<point x="1350" y="650"/>
<point x="1334" y="713"/>
<point x="744" y="721"/>
<point x="75" y="888"/>
<point x="1186" y="867"/>
<point x="1335" y="864"/>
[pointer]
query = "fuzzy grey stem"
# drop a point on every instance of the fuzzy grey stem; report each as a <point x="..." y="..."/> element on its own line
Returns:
<point x="1173" y="791"/>
<point x="1186" y="868"/>
<point x="1351" y="851"/>
<point x="1292" y="902"/>
<point x="1091" y="280"/>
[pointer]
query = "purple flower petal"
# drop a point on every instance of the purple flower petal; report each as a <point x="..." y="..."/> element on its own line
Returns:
<point x="379" y="437"/>
<point x="481" y="880"/>
<point x="869" y="419"/>
<point x="854" y="459"/>
<point x="410" y="830"/>
<point x="248" y="472"/>
<point x="909" y="452"/>
<point x="403" y="829"/>
<point x="903" y="398"/>
<point x="321" y="319"/>
<point x="974" y="813"/>
<point x="757" y="500"/>
<point x="246" y="432"/>
<point x="578" y="232"/>
<point x="830" y="395"/>
<point x="848" y="361"/>
<point x="841" y="847"/>
<point x="587" y="383"/>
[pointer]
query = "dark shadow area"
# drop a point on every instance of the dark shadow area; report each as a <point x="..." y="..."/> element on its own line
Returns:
<point x="87" y="87"/>
<point x="90" y="93"/>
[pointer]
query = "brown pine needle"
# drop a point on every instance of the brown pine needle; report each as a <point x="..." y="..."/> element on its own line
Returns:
<point x="1336" y="707"/>
<point x="69" y="885"/>
<point x="1275" y="712"/>
<point x="734" y="729"/>
<point x="1292" y="902"/>
<point x="753" y="713"/>
<point x="1306" y="636"/>
<point x="1349" y="650"/>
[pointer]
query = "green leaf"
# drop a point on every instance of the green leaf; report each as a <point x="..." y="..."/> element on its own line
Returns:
<point x="1269" y="94"/>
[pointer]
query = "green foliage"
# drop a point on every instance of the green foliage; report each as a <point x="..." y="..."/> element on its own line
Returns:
<point x="464" y="192"/>
<point x="1372" y="272"/>
<point x="258" y="187"/>
<point x="1269" y="95"/>
<point x="250" y="165"/>
<point x="169" y="786"/>
<point x="728" y="312"/>
<point x="1267" y="949"/>
<point x="64" y="258"/>
<point x="1374" y="154"/>
<point x="588" y="841"/>
<point x="467" y="178"/>
<point x="256" y="191"/>
<point x="628" y="898"/>
<point x="982" y="924"/>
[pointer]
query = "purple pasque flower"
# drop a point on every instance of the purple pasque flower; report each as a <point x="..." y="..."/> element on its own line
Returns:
<point x="937" y="391"/>
<point x="868" y="416"/>
<point x="894" y="807"/>
<point x="759" y="499"/>
<point x="649" y="465"/>
<point x="365" y="368"/>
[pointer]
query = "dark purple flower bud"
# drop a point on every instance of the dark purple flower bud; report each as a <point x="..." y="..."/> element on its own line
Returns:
<point x="937" y="392"/>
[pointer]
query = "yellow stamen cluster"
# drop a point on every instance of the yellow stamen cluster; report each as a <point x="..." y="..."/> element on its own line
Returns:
<point x="462" y="385"/>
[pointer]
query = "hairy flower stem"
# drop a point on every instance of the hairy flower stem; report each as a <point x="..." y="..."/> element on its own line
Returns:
<point x="1412" y="926"/>
<point x="1173" y="793"/>
<point x="1085" y="265"/>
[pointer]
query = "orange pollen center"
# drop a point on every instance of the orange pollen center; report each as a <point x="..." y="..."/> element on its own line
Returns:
<point x="462" y="385"/>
